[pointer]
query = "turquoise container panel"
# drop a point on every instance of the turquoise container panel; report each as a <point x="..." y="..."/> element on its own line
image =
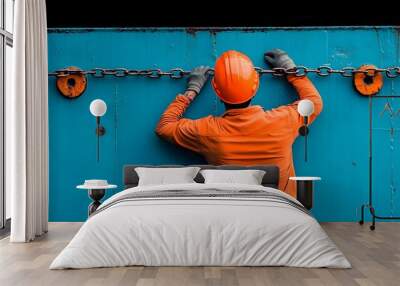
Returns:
<point x="338" y="141"/>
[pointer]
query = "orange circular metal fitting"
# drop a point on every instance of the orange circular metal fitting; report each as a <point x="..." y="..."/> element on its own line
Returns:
<point x="72" y="85"/>
<point x="368" y="83"/>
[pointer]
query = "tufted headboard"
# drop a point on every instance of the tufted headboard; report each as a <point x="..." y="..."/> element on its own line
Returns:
<point x="271" y="177"/>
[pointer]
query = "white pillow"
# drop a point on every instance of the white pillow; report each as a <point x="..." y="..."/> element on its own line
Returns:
<point x="165" y="176"/>
<point x="248" y="177"/>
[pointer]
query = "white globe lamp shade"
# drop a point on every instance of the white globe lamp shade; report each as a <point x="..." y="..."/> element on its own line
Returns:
<point x="305" y="107"/>
<point x="98" y="107"/>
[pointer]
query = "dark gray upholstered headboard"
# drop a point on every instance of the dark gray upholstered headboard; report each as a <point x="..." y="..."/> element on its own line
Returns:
<point x="271" y="177"/>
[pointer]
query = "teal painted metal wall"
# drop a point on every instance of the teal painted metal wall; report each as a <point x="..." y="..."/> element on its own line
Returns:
<point x="338" y="142"/>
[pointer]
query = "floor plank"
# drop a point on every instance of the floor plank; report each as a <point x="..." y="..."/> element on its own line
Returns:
<point x="375" y="257"/>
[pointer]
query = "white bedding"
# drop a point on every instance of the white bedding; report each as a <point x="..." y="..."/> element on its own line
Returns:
<point x="200" y="231"/>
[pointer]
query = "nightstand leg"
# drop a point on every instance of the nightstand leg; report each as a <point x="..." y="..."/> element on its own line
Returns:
<point x="96" y="195"/>
<point x="305" y="193"/>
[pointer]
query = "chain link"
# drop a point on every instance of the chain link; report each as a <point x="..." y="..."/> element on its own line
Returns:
<point x="348" y="71"/>
<point x="392" y="72"/>
<point x="178" y="73"/>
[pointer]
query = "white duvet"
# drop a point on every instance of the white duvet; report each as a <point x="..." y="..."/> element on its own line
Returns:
<point x="200" y="231"/>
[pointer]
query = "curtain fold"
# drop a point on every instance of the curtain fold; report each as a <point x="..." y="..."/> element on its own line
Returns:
<point x="27" y="124"/>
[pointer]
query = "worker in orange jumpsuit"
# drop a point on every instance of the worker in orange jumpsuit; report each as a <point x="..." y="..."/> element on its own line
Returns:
<point x="245" y="134"/>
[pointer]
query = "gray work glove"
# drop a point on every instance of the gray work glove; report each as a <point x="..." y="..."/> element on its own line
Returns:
<point x="278" y="58"/>
<point x="198" y="78"/>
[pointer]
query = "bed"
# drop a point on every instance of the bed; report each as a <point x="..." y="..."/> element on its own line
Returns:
<point x="198" y="224"/>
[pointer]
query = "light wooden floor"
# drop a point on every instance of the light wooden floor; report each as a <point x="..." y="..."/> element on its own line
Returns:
<point x="375" y="257"/>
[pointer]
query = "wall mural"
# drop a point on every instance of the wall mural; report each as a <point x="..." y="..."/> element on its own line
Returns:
<point x="150" y="77"/>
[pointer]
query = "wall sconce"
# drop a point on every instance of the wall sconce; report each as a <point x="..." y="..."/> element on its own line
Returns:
<point x="98" y="108"/>
<point x="305" y="108"/>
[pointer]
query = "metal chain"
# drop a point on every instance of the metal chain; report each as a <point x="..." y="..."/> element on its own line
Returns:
<point x="178" y="73"/>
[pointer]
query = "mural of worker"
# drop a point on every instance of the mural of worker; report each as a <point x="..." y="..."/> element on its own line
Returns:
<point x="244" y="134"/>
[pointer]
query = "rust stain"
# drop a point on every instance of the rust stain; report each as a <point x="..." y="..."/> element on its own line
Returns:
<point x="214" y="56"/>
<point x="191" y="31"/>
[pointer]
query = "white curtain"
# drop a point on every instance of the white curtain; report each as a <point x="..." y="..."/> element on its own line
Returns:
<point x="27" y="124"/>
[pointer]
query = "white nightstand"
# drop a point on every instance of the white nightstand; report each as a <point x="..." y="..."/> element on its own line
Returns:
<point x="305" y="186"/>
<point x="96" y="190"/>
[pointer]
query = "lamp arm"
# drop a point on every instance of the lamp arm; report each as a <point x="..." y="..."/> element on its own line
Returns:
<point x="100" y="130"/>
<point x="306" y="120"/>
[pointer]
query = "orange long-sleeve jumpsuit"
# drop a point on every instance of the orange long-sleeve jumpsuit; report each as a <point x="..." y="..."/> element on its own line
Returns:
<point x="246" y="136"/>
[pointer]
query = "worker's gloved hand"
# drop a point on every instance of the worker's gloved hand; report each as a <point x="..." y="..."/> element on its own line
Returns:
<point x="198" y="78"/>
<point x="278" y="58"/>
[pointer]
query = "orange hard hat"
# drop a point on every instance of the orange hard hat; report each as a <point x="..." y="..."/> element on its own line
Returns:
<point x="235" y="79"/>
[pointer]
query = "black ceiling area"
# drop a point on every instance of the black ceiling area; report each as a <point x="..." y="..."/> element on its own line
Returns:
<point x="91" y="14"/>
